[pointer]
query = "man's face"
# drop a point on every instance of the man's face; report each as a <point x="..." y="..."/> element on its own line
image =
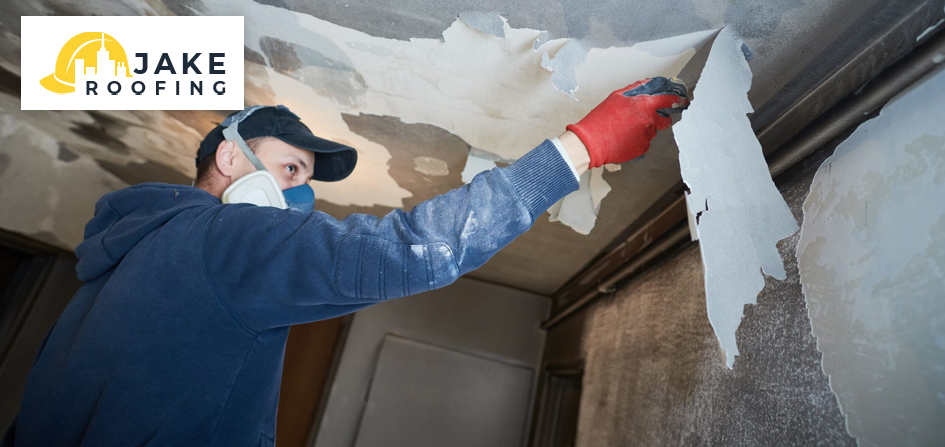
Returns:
<point x="290" y="165"/>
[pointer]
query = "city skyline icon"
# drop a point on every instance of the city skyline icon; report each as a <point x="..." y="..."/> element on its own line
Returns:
<point x="85" y="55"/>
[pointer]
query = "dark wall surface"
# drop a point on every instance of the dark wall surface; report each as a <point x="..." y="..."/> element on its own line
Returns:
<point x="654" y="374"/>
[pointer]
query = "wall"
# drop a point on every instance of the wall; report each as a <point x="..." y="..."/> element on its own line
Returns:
<point x="469" y="316"/>
<point x="872" y="263"/>
<point x="654" y="373"/>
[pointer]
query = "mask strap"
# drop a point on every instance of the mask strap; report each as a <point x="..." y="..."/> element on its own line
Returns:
<point x="231" y="132"/>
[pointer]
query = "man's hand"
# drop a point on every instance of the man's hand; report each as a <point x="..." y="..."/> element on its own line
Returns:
<point x="620" y="128"/>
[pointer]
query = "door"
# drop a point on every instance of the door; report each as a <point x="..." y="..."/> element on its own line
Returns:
<point x="426" y="395"/>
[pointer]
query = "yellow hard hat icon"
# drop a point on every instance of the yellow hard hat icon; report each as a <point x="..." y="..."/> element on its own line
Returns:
<point x="86" y="46"/>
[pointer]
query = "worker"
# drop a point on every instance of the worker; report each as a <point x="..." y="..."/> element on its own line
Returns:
<point x="177" y="335"/>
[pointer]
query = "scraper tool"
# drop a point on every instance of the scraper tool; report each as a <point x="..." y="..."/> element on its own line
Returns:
<point x="663" y="86"/>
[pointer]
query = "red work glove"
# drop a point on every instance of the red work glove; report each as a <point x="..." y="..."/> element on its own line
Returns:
<point x="620" y="128"/>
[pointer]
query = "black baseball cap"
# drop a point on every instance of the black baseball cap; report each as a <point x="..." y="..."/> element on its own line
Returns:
<point x="333" y="161"/>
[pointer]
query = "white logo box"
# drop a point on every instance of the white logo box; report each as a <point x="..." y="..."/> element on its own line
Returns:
<point x="42" y="38"/>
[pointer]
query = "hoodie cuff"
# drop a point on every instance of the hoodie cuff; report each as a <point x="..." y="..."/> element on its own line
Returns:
<point x="541" y="178"/>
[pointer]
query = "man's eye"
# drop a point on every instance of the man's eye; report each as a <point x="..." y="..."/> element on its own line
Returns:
<point x="292" y="169"/>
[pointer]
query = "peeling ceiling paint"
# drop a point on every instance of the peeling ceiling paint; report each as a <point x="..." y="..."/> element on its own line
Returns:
<point x="740" y="215"/>
<point x="492" y="91"/>
<point x="473" y="87"/>
<point x="872" y="262"/>
<point x="797" y="45"/>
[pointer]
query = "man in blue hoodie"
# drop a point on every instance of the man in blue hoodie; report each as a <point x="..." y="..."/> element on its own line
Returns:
<point x="177" y="336"/>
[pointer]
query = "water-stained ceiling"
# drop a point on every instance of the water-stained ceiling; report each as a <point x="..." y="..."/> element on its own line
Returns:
<point x="426" y="90"/>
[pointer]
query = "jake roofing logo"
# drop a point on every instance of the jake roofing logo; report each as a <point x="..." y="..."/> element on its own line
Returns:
<point x="140" y="63"/>
<point x="87" y="54"/>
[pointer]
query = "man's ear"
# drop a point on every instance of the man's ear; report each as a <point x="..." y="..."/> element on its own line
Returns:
<point x="226" y="158"/>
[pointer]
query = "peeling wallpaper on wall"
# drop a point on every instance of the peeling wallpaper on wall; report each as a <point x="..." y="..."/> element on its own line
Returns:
<point x="739" y="214"/>
<point x="872" y="265"/>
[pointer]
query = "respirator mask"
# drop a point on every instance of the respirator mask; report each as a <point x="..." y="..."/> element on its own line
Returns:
<point x="261" y="188"/>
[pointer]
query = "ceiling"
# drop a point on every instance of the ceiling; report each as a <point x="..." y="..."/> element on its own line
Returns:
<point x="417" y="86"/>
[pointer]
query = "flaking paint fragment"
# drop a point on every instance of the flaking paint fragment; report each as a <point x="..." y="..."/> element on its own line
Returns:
<point x="431" y="166"/>
<point x="929" y="30"/>
<point x="871" y="257"/>
<point x="540" y="40"/>
<point x="740" y="215"/>
<point x="579" y="209"/>
<point x="562" y="66"/>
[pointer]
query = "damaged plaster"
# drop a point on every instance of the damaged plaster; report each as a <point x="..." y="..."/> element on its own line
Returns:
<point x="740" y="215"/>
<point x="872" y="262"/>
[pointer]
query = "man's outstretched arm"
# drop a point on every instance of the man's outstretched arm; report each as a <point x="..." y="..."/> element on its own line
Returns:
<point x="278" y="267"/>
<point x="275" y="267"/>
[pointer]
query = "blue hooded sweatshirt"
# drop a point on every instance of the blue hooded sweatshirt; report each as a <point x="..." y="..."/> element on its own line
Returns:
<point x="178" y="334"/>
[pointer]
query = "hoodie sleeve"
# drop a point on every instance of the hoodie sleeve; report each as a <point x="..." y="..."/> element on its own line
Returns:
<point x="273" y="268"/>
